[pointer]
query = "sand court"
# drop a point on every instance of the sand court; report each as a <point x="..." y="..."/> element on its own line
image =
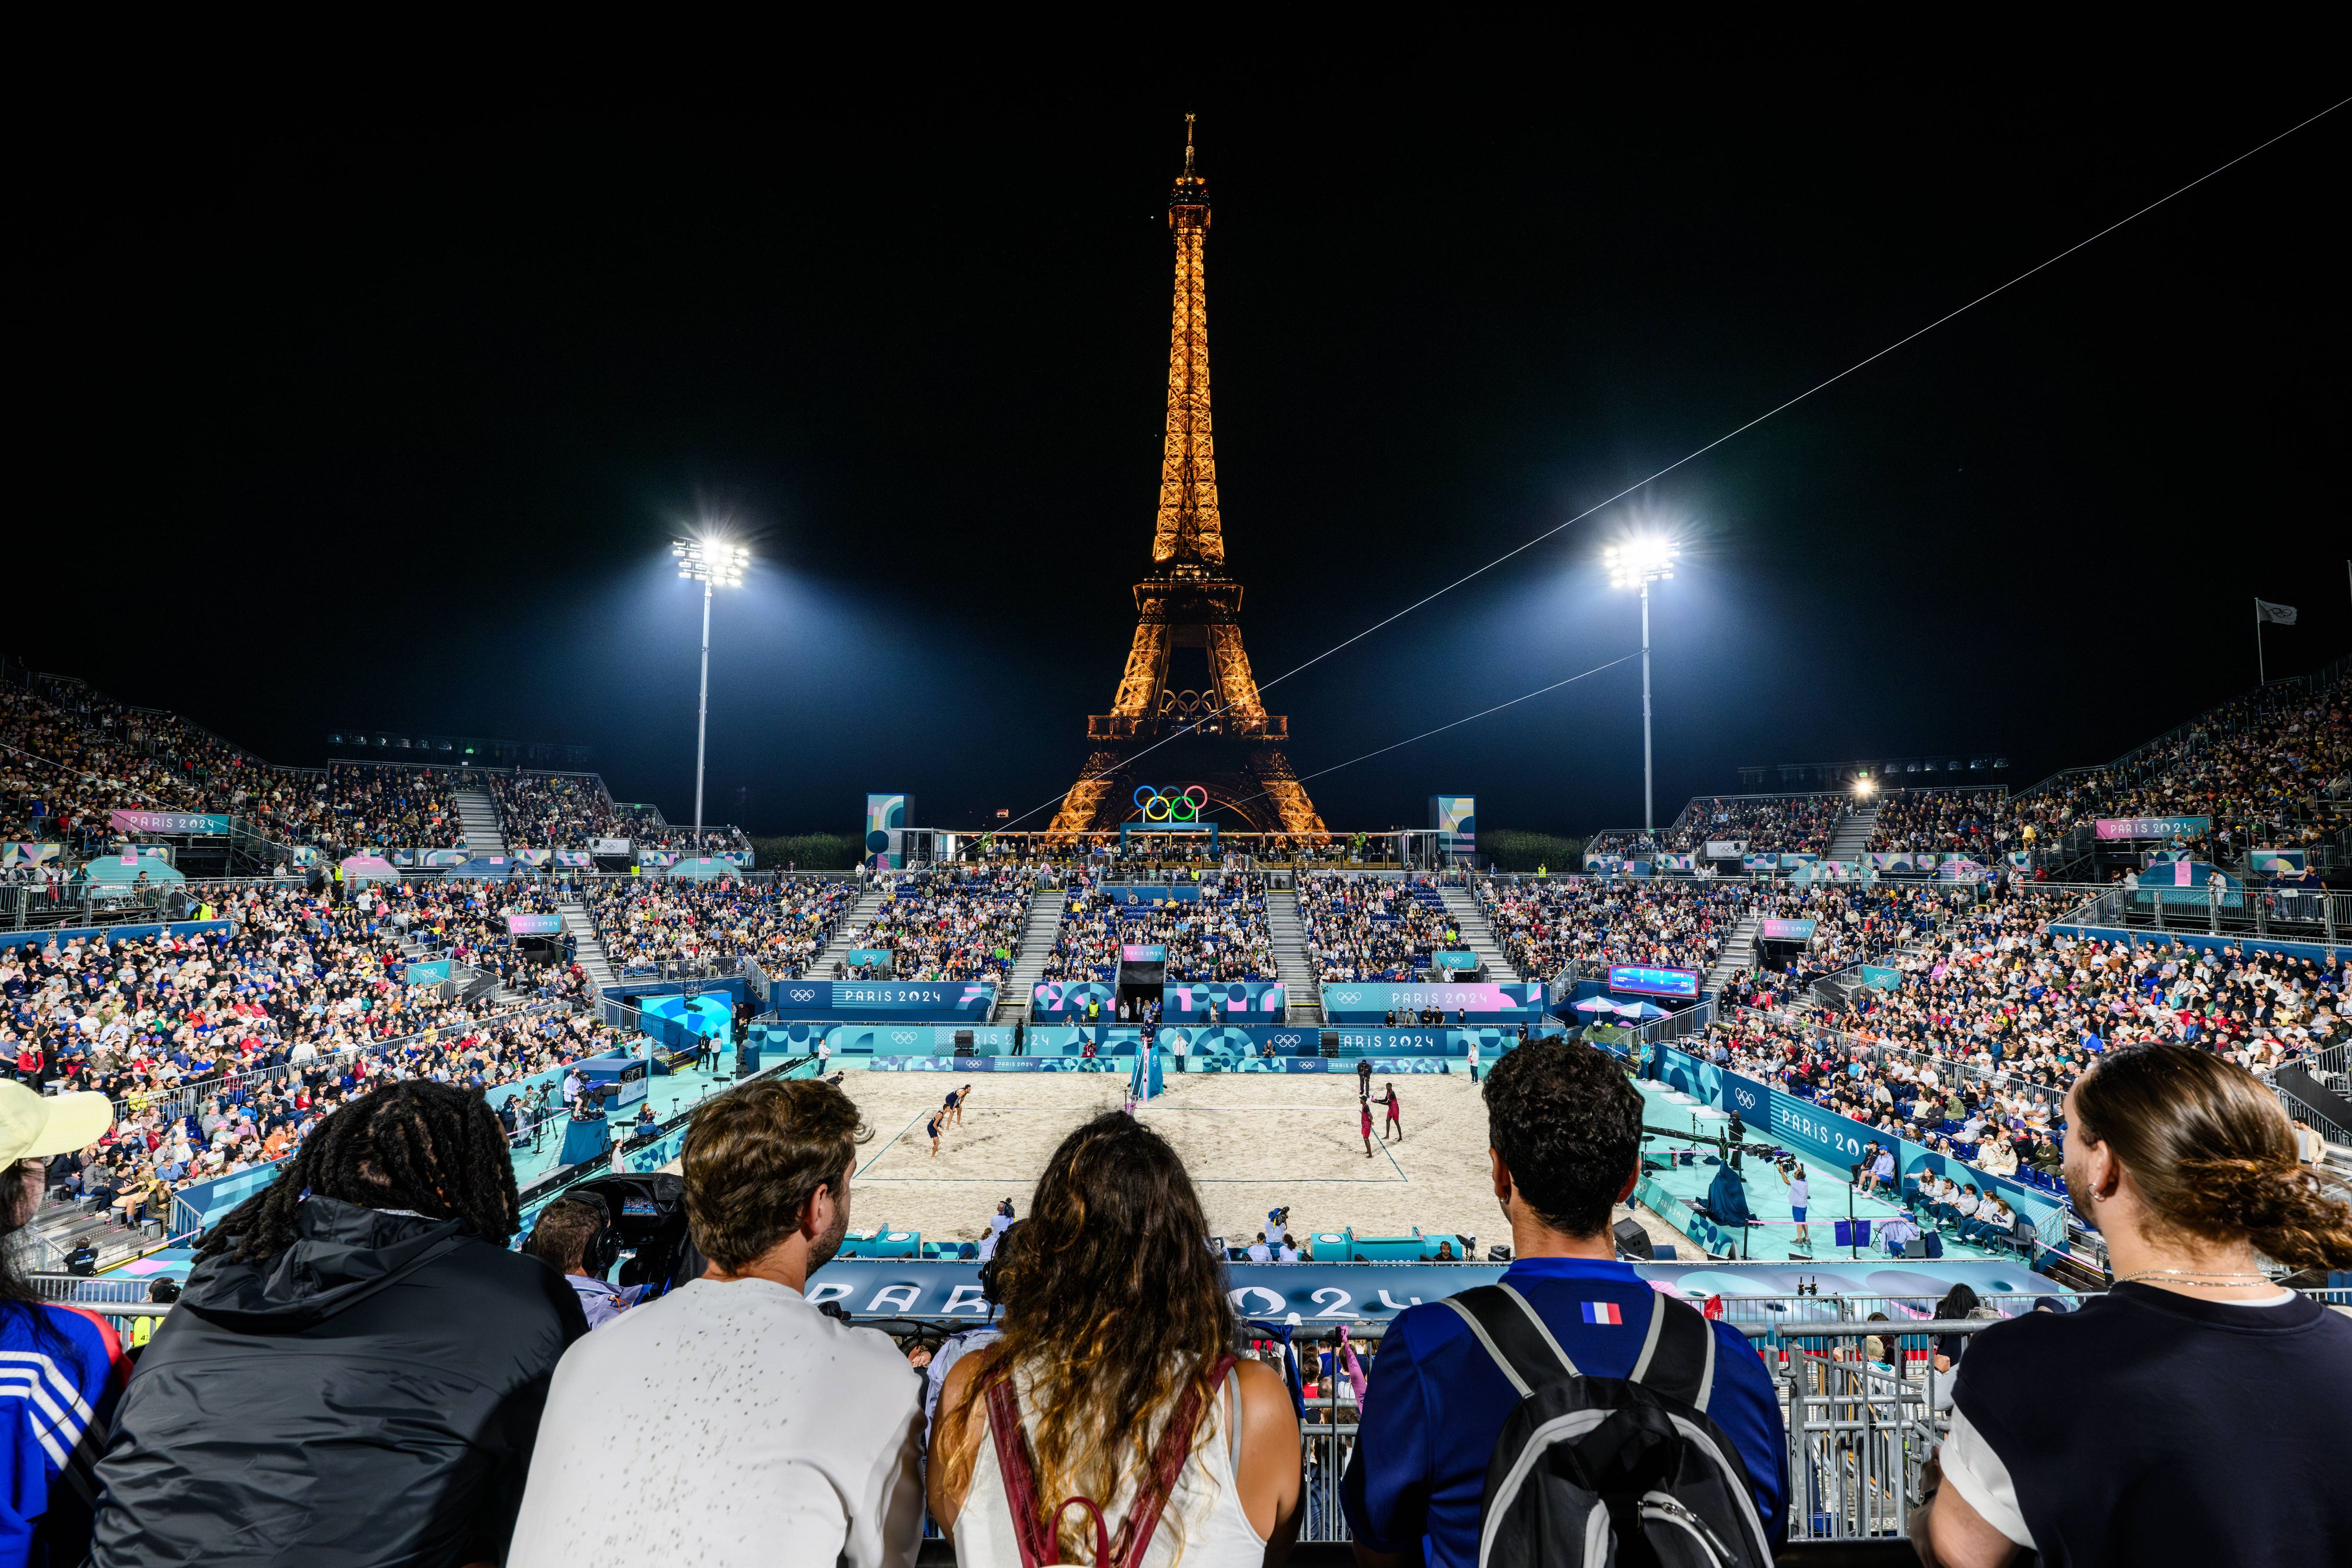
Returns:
<point x="1252" y="1142"/>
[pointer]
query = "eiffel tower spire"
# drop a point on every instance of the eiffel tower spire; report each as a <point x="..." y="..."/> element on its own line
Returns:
<point x="1220" y="737"/>
<point x="1191" y="534"/>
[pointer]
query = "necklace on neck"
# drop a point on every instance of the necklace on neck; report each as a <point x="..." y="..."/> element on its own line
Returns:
<point x="2195" y="1277"/>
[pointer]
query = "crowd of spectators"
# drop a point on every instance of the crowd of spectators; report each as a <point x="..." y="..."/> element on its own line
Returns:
<point x="956" y="923"/>
<point x="466" y="920"/>
<point x="61" y="777"/>
<point x="647" y="829"/>
<point x="1767" y="824"/>
<point x="69" y="755"/>
<point x="1991" y="1016"/>
<point x="159" y="1145"/>
<point x="2269" y="768"/>
<point x="1363" y="928"/>
<point x="297" y="977"/>
<point x="456" y="1407"/>
<point x="1543" y="926"/>
<point x="555" y="811"/>
<point x="221" y="1050"/>
<point x="780" y="925"/>
<point x="379" y="807"/>
<point x="1222" y="936"/>
<point x="1974" y="823"/>
<point x="1774" y="824"/>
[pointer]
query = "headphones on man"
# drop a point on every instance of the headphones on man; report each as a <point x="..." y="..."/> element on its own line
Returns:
<point x="602" y="1248"/>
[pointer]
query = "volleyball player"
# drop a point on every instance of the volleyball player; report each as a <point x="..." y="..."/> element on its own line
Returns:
<point x="933" y="1129"/>
<point x="1389" y="1099"/>
<point x="1364" y="1104"/>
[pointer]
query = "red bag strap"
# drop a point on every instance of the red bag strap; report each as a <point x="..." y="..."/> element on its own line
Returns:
<point x="1040" y="1543"/>
<point x="1175" y="1447"/>
<point x="1020" y="1476"/>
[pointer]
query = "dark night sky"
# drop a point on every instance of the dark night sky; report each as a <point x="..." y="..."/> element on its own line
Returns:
<point x="386" y="418"/>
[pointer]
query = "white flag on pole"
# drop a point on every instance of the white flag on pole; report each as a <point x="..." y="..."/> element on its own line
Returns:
<point x="2281" y="614"/>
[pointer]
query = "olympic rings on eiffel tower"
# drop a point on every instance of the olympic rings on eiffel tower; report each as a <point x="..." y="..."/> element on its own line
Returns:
<point x="1180" y="807"/>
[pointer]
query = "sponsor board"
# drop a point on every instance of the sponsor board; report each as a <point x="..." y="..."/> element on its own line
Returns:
<point x="196" y="823"/>
<point x="941" y="1000"/>
<point x="2153" y="827"/>
<point x="1484" y="1001"/>
<point x="1325" y="1295"/>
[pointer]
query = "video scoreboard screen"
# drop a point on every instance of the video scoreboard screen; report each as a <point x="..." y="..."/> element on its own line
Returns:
<point x="1644" y="980"/>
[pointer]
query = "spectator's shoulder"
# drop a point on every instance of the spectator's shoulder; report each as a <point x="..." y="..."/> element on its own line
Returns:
<point x="1423" y="1328"/>
<point x="519" y="1277"/>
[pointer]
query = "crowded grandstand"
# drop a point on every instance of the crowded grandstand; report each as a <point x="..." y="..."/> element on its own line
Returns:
<point x="1940" y="990"/>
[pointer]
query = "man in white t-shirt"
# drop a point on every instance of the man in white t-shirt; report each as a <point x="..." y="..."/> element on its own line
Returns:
<point x="756" y="1431"/>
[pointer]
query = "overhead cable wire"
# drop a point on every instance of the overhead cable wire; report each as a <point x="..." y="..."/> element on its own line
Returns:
<point x="1809" y="391"/>
<point x="1457" y="724"/>
<point x="1694" y="455"/>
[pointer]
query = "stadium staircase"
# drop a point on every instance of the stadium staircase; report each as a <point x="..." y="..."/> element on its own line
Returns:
<point x="1304" y="998"/>
<point x="478" y="819"/>
<point x="587" y="948"/>
<point x="1739" y="952"/>
<point x="845" y="936"/>
<point x="1046" y="906"/>
<point x="1851" y="838"/>
<point x="58" y="1228"/>
<point x="1462" y="906"/>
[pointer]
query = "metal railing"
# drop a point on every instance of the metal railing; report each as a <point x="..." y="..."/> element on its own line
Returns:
<point x="2281" y="914"/>
<point x="1692" y="1020"/>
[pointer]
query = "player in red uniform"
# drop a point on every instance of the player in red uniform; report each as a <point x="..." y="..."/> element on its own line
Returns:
<point x="1364" y="1103"/>
<point x="1389" y="1099"/>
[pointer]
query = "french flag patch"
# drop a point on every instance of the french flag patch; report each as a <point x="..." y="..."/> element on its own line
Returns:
<point x="1603" y="1312"/>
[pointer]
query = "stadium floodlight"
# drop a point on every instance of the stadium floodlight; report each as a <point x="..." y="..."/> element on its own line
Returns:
<point x="1638" y="562"/>
<point x="1864" y="788"/>
<point x="713" y="562"/>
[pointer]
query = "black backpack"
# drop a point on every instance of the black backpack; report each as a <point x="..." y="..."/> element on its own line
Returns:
<point x="1615" y="1471"/>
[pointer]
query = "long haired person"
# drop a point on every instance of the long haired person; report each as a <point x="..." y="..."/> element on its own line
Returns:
<point x="355" y="1372"/>
<point x="2189" y="1415"/>
<point x="1114" y="1382"/>
<point x="48" y="1442"/>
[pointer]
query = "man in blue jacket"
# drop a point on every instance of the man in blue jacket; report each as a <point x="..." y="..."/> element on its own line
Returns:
<point x="1565" y="1128"/>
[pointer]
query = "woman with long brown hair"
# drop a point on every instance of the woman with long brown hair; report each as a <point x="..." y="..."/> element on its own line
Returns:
<point x="1114" y="1382"/>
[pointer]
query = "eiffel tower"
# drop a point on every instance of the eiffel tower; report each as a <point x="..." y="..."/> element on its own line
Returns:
<point x="1217" y="733"/>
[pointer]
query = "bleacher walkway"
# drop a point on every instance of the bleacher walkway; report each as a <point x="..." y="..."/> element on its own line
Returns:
<point x="845" y="936"/>
<point x="1461" y="907"/>
<point x="588" y="948"/>
<point x="1739" y="952"/>
<point x="1297" y="976"/>
<point x="1851" y="838"/>
<point x="1045" y="906"/>
<point x="477" y="817"/>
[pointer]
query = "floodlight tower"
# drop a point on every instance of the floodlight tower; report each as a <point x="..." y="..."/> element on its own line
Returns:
<point x="1638" y="562"/>
<point x="714" y="563"/>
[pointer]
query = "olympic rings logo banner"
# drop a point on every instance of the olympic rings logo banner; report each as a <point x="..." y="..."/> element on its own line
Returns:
<point x="1180" y="807"/>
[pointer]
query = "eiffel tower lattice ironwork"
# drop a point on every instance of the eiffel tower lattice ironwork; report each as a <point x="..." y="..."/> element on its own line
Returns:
<point x="1218" y="735"/>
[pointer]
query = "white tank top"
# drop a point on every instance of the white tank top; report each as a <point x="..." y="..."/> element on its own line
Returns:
<point x="1206" y="1502"/>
